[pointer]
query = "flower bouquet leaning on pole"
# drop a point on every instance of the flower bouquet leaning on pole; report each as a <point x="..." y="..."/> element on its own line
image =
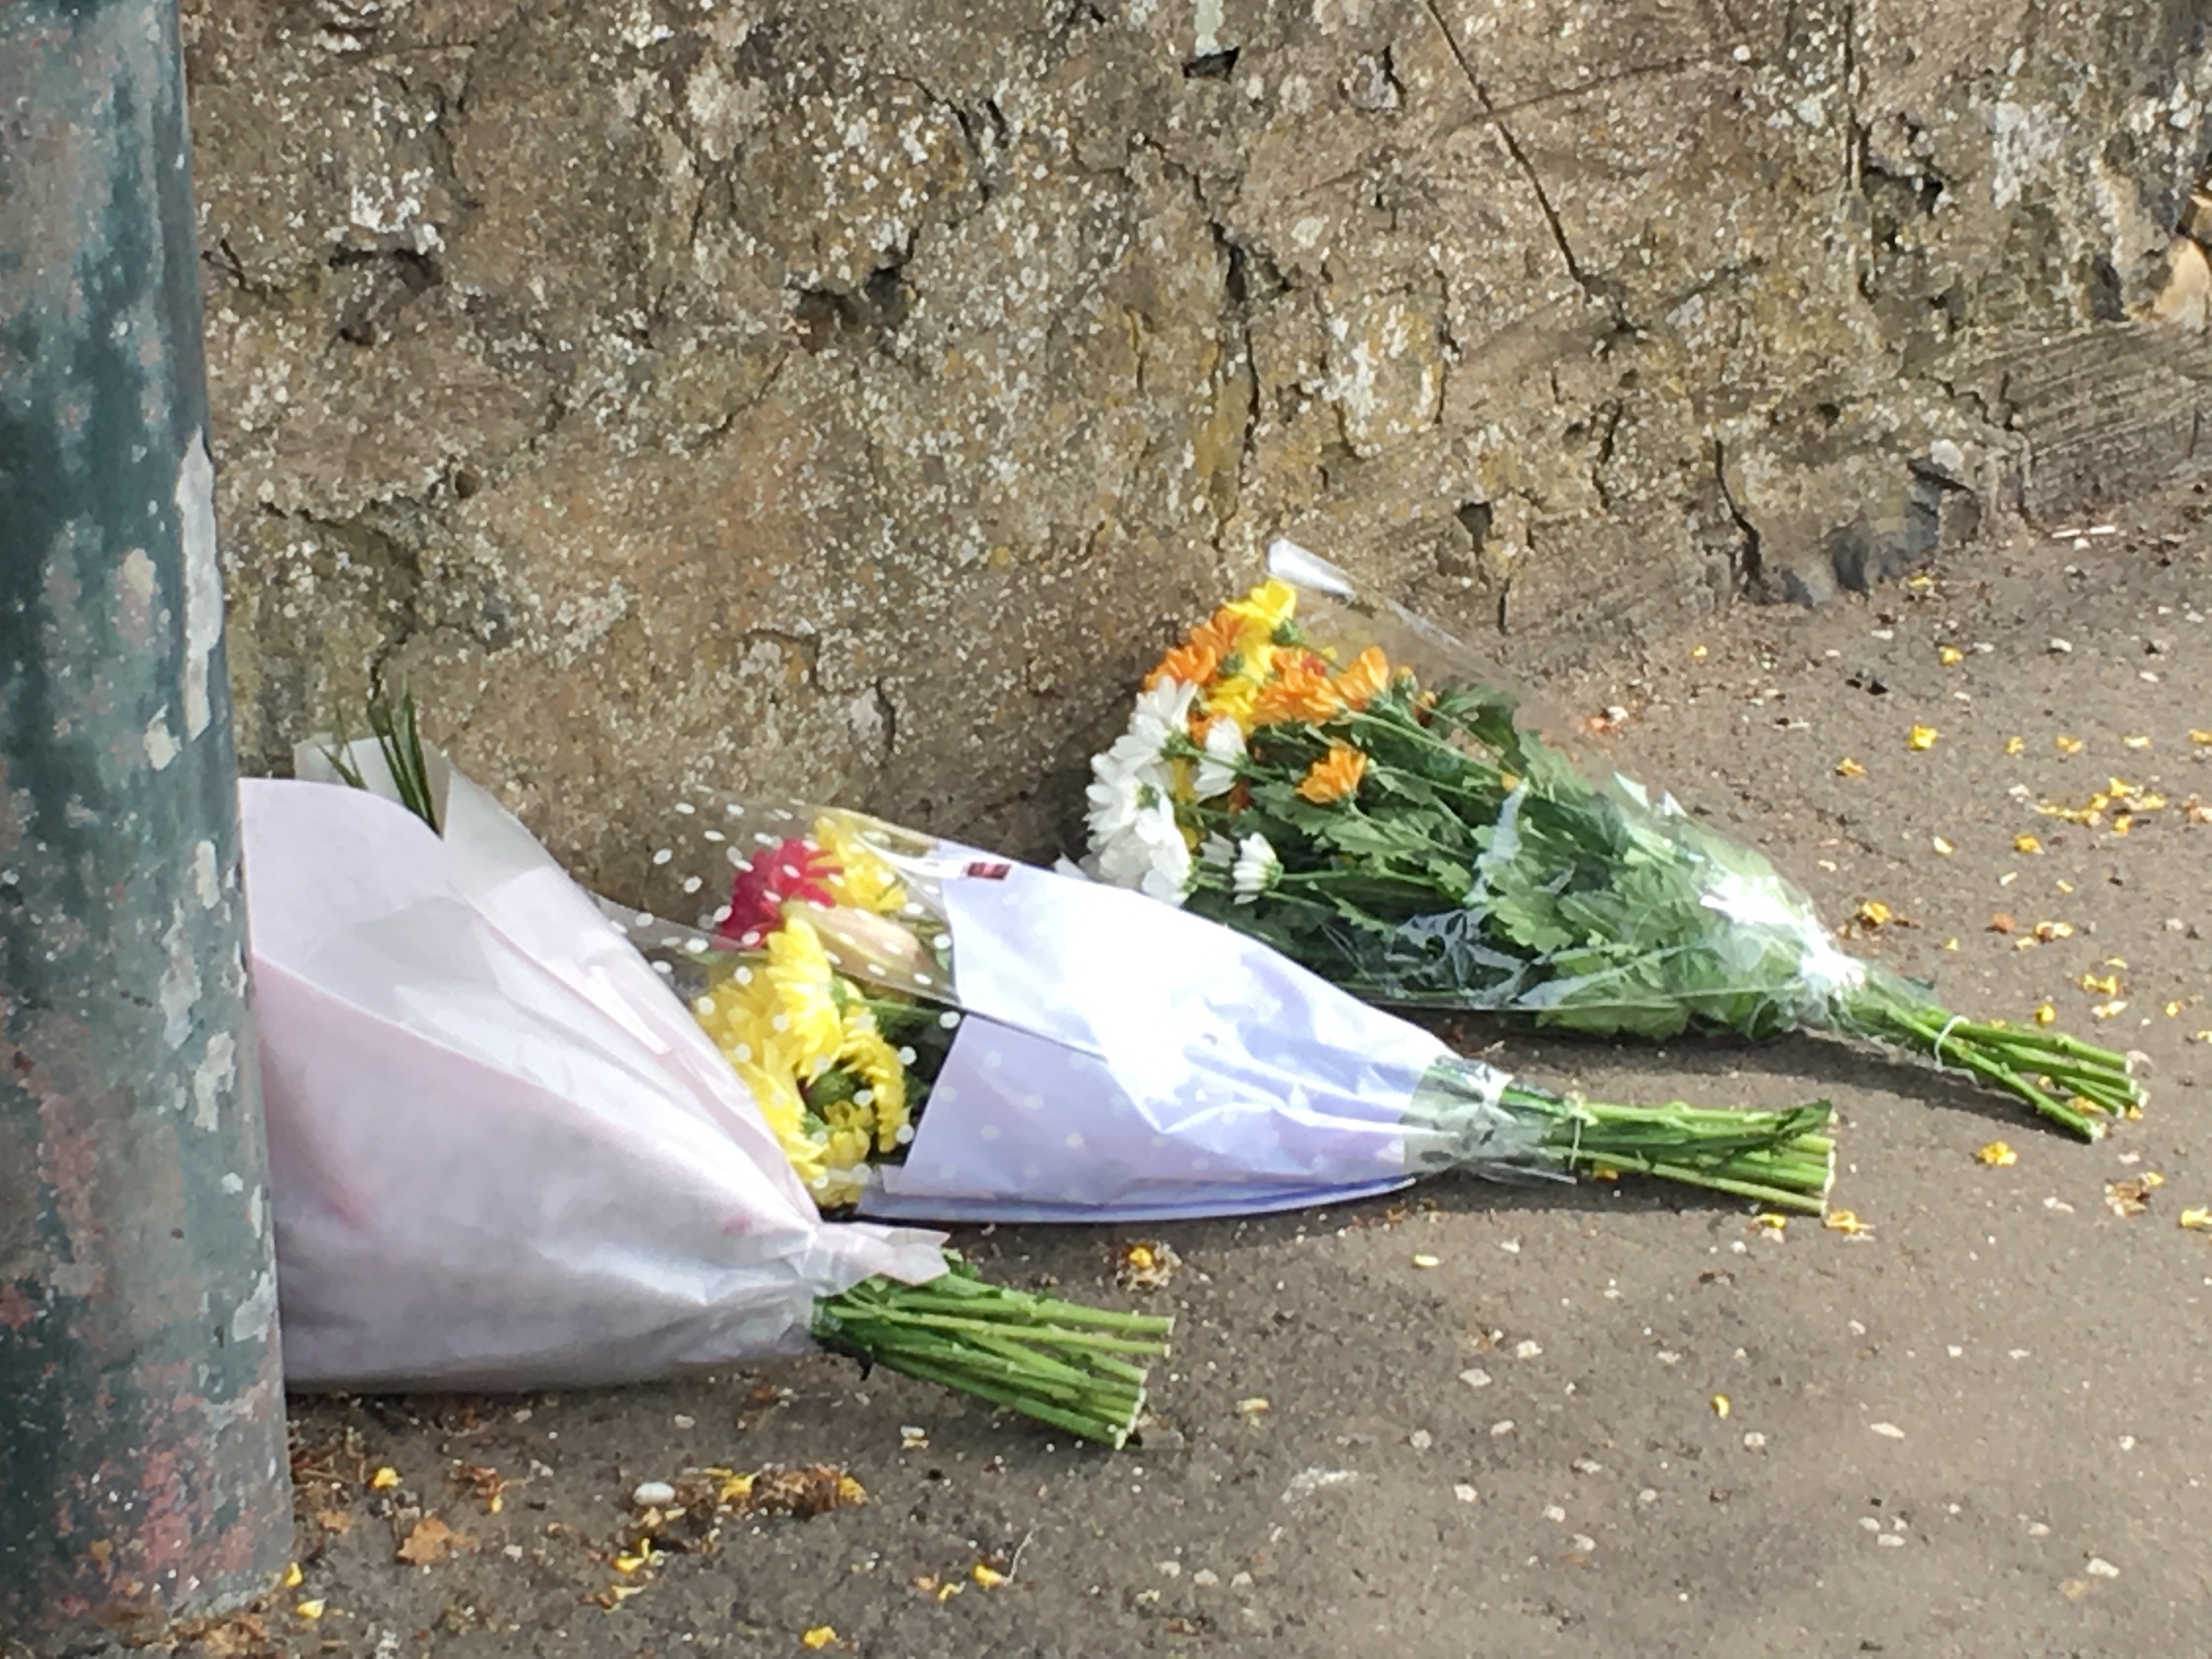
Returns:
<point x="936" y="1033"/>
<point x="503" y="1156"/>
<point x="1410" y="843"/>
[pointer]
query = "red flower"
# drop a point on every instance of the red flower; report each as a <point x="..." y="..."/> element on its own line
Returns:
<point x="792" y="869"/>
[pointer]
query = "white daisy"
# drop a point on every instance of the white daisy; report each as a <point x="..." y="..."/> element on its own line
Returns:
<point x="1161" y="714"/>
<point x="1148" y="852"/>
<point x="1217" y="767"/>
<point x="1257" y="868"/>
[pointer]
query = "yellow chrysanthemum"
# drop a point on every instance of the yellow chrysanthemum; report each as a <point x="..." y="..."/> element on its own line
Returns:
<point x="776" y="1092"/>
<point x="806" y="993"/>
<point x="848" y="1148"/>
<point x="839" y="1187"/>
<point x="876" y="1063"/>
<point x="1267" y="607"/>
<point x="1232" y="699"/>
<point x="740" y="1014"/>
<point x="863" y="880"/>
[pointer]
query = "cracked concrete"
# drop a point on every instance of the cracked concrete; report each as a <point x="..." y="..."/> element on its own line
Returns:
<point x="850" y="404"/>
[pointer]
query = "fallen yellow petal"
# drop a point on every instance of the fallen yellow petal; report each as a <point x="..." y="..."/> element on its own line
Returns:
<point x="2151" y="1178"/>
<point x="1424" y="1261"/>
<point x="2120" y="789"/>
<point x="2047" y="931"/>
<point x="384" y="1479"/>
<point x="1944" y="846"/>
<point x="2068" y="745"/>
<point x="2122" y="823"/>
<point x="1874" y="914"/>
<point x="2015" y="745"/>
<point x="2045" y="1014"/>
<point x="820" y="1637"/>
<point x="2064" y="886"/>
<point x="1255" y="1405"/>
<point x="1949" y="655"/>
<point x="1844" y="1221"/>
<point x="986" y="1575"/>
<point x="1848" y="767"/>
<point x="1997" y="1155"/>
<point x="2200" y="1036"/>
<point x="310" y="1611"/>
<point x="2198" y="1219"/>
<point x="1721" y="1406"/>
<point x="2107" y="1010"/>
<point x="2173" y="1011"/>
<point x="1951" y="944"/>
<point x="2201" y="737"/>
<point x="1922" y="736"/>
<point x="2103" y="985"/>
<point x="2032" y="845"/>
<point x="2135" y="743"/>
<point x="1773" y="1221"/>
<point x="292" y="1575"/>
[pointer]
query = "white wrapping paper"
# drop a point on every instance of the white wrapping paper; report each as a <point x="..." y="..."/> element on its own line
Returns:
<point x="502" y="1155"/>
<point x="1123" y="1060"/>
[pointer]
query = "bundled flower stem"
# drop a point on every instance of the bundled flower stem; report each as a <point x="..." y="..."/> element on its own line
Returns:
<point x="1415" y="846"/>
<point x="1071" y="1366"/>
<point x="1785" y="1160"/>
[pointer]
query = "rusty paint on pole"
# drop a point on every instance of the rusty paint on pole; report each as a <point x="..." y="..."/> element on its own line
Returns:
<point x="141" y="1429"/>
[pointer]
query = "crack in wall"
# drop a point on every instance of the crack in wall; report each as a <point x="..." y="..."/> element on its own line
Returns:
<point x="1606" y="293"/>
<point x="1747" y="567"/>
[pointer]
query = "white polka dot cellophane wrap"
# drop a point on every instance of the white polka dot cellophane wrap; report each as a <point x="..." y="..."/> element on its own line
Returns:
<point x="1120" y="1057"/>
<point x="1113" y="1058"/>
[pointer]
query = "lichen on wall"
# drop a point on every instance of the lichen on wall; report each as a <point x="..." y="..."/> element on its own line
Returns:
<point x="847" y="401"/>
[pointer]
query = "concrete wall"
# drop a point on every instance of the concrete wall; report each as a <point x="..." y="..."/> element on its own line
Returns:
<point x="849" y="399"/>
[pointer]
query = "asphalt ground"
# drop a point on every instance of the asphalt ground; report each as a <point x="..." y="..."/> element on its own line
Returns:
<point x="1616" y="1419"/>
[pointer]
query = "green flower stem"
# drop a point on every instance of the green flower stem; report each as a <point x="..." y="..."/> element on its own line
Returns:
<point x="1782" y="1159"/>
<point x="1420" y="734"/>
<point x="1057" y="1362"/>
<point x="1044" y="1336"/>
<point x="2026" y="1038"/>
<point x="1994" y="1070"/>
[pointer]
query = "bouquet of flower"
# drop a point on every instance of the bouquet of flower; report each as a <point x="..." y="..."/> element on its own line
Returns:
<point x="934" y="1032"/>
<point x="502" y="1155"/>
<point x="1414" y="844"/>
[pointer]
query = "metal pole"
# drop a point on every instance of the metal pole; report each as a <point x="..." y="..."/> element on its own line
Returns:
<point x="143" y="1471"/>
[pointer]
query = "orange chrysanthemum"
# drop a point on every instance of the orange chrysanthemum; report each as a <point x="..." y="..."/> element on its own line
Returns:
<point x="1334" y="775"/>
<point x="1299" y="691"/>
<point x="1360" y="684"/>
<point x="1218" y="634"/>
<point x="1191" y="663"/>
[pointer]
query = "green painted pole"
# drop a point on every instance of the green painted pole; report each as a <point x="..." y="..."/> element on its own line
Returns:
<point x="143" y="1470"/>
